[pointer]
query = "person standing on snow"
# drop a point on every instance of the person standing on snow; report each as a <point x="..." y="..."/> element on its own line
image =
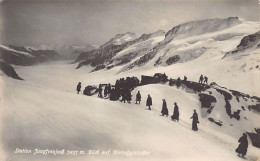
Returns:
<point x="242" y="147"/>
<point x="149" y="102"/>
<point x="164" y="108"/>
<point x="201" y="79"/>
<point x="195" y="121"/>
<point x="205" y="79"/>
<point x="100" y="91"/>
<point x="79" y="87"/>
<point x="138" y="97"/>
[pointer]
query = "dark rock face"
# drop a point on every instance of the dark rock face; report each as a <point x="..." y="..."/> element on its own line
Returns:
<point x="207" y="101"/>
<point x="196" y="87"/>
<point x="173" y="59"/>
<point x="99" y="67"/>
<point x="247" y="42"/>
<point x="227" y="97"/>
<point x="9" y="70"/>
<point x="255" y="137"/>
<point x="219" y="123"/>
<point x="254" y="107"/>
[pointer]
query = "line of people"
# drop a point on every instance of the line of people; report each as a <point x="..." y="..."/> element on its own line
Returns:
<point x="165" y="112"/>
<point x="109" y="91"/>
<point x="176" y="114"/>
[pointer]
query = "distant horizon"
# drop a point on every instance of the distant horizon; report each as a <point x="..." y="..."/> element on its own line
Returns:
<point x="36" y="23"/>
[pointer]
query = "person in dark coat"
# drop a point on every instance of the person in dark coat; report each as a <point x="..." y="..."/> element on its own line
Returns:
<point x="175" y="115"/>
<point x="201" y="79"/>
<point x="242" y="147"/>
<point x="178" y="82"/>
<point x="185" y="79"/>
<point x="112" y="95"/>
<point x="79" y="87"/>
<point x="100" y="91"/>
<point x="109" y="88"/>
<point x="149" y="102"/>
<point x="164" y="108"/>
<point x="195" y="121"/>
<point x="105" y="90"/>
<point x="124" y="95"/>
<point x="205" y="79"/>
<point x="138" y="97"/>
<point x="128" y="96"/>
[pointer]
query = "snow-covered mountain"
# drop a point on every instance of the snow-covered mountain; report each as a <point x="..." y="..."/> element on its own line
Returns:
<point x="120" y="39"/>
<point x="26" y="56"/>
<point x="16" y="55"/>
<point x="188" y="47"/>
<point x="182" y="43"/>
<point x="111" y="55"/>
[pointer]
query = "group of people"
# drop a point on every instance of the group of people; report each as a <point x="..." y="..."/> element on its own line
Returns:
<point x="203" y="79"/>
<point x="164" y="111"/>
<point x="123" y="88"/>
<point x="178" y="81"/>
<point x="176" y="114"/>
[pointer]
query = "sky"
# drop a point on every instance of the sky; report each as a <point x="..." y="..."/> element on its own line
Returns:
<point x="73" y="22"/>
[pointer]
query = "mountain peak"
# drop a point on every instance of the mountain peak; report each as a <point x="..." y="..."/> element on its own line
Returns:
<point x="200" y="27"/>
<point x="120" y="39"/>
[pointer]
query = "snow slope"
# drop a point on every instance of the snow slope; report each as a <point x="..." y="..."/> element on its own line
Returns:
<point x="45" y="112"/>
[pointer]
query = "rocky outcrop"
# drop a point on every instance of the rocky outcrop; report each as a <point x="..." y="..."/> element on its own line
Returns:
<point x="247" y="42"/>
<point x="172" y="59"/>
<point x="207" y="101"/>
<point x="9" y="70"/>
<point x="255" y="137"/>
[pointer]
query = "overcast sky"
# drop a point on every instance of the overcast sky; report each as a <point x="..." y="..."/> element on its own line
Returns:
<point x="75" y="22"/>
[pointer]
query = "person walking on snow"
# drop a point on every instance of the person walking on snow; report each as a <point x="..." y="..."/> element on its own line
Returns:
<point x="149" y="102"/>
<point x="164" y="108"/>
<point x="175" y="115"/>
<point x="79" y="87"/>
